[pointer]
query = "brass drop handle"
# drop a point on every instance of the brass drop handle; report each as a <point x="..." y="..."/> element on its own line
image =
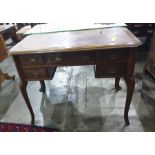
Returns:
<point x="113" y="57"/>
<point x="85" y="58"/>
<point x="112" y="71"/>
<point x="33" y="60"/>
<point x="37" y="74"/>
<point x="58" y="59"/>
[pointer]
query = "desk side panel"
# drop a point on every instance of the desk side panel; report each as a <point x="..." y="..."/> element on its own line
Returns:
<point x="16" y="60"/>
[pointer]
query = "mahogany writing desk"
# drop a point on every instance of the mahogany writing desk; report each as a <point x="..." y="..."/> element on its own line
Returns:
<point x="112" y="51"/>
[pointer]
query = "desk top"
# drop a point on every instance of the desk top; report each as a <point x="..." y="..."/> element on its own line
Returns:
<point x="107" y="38"/>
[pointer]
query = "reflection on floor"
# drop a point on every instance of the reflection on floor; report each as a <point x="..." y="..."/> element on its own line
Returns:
<point x="76" y="101"/>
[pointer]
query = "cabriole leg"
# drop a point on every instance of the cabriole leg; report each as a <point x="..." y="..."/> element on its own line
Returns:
<point x="23" y="85"/>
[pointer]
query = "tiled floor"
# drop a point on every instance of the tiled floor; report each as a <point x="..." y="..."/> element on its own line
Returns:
<point x="76" y="101"/>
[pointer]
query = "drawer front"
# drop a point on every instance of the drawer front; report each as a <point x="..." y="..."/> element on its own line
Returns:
<point x="70" y="58"/>
<point x="110" y="70"/>
<point x="36" y="73"/>
<point x="114" y="55"/>
<point x="31" y="60"/>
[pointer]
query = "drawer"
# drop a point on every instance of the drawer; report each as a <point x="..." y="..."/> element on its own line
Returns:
<point x="110" y="70"/>
<point x="70" y="58"/>
<point x="114" y="55"/>
<point x="31" y="60"/>
<point x="36" y="73"/>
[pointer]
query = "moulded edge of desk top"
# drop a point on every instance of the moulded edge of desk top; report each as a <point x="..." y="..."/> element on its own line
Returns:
<point x="70" y="50"/>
